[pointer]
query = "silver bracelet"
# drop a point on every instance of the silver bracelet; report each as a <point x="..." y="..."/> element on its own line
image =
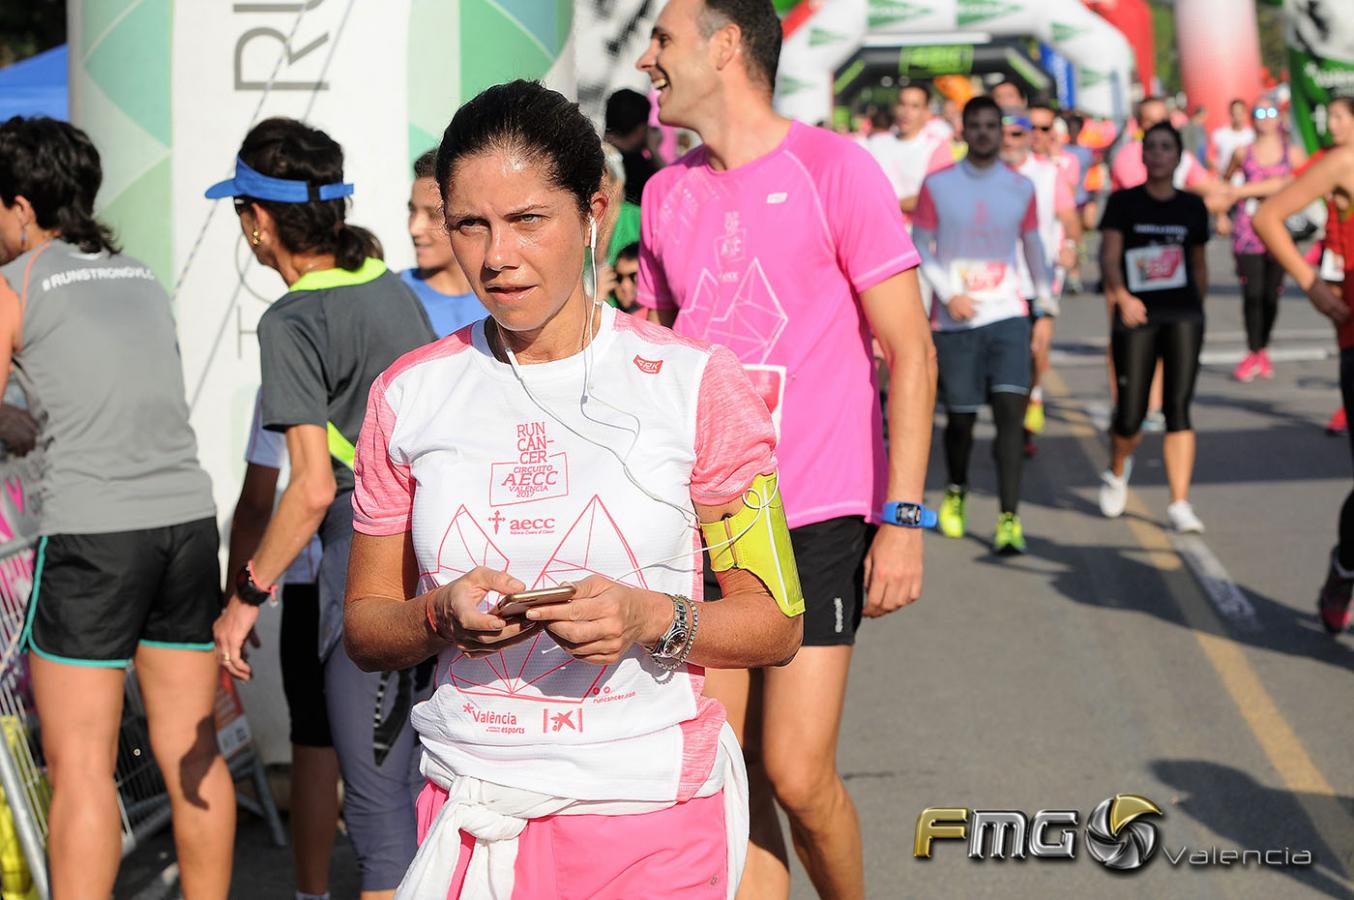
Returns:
<point x="685" y="619"/>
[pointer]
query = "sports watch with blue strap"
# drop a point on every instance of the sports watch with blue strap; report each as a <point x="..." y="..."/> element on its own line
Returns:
<point x="909" y="515"/>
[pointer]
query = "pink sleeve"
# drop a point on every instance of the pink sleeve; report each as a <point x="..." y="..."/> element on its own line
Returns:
<point x="941" y="158"/>
<point x="1063" y="199"/>
<point x="1031" y="220"/>
<point x="865" y="222"/>
<point x="1194" y="172"/>
<point x="383" y="498"/>
<point x="652" y="289"/>
<point x="735" y="439"/>
<point x="924" y="216"/>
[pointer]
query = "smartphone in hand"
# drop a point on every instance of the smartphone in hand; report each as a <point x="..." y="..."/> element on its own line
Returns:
<point x="518" y="603"/>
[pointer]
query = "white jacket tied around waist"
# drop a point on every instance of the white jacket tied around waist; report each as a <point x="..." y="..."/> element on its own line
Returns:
<point x="496" y="815"/>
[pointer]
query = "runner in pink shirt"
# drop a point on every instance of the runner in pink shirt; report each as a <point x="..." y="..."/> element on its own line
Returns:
<point x="1037" y="155"/>
<point x="924" y="144"/>
<point x="786" y="244"/>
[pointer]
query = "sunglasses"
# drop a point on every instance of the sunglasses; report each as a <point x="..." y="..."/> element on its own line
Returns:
<point x="1015" y="133"/>
<point x="627" y="276"/>
<point x="1043" y="127"/>
<point x="1266" y="112"/>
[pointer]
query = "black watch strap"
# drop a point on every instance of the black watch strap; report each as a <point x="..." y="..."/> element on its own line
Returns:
<point x="248" y="591"/>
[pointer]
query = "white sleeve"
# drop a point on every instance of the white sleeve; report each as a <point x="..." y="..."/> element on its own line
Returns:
<point x="931" y="269"/>
<point x="265" y="448"/>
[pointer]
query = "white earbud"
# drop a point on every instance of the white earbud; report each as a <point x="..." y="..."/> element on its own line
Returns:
<point x="592" y="234"/>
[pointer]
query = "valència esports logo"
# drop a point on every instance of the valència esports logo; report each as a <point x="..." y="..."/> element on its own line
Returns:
<point x="1121" y="834"/>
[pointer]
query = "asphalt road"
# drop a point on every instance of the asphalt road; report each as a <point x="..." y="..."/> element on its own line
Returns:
<point x="1110" y="659"/>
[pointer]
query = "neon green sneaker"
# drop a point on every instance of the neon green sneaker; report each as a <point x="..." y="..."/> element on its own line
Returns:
<point x="953" y="520"/>
<point x="1034" y="417"/>
<point x="1010" y="538"/>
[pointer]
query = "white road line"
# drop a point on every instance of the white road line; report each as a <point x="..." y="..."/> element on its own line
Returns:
<point x="1068" y="358"/>
<point x="1212" y="576"/>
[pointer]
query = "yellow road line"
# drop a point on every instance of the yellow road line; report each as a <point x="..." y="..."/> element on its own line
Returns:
<point x="1276" y="737"/>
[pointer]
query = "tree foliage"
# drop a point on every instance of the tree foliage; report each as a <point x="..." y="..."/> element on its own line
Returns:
<point x="30" y="26"/>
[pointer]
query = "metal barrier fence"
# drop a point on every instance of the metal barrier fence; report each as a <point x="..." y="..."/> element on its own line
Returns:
<point x="142" y="800"/>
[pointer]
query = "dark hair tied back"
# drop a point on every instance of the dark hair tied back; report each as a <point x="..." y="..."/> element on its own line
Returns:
<point x="528" y="118"/>
<point x="286" y="148"/>
<point x="55" y="166"/>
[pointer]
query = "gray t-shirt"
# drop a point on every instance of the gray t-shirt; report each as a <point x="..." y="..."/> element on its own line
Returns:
<point x="99" y="357"/>
<point x="324" y="343"/>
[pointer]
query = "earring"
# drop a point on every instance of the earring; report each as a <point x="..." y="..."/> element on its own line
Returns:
<point x="254" y="238"/>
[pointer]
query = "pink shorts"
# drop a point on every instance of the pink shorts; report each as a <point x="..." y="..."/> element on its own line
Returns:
<point x="676" y="852"/>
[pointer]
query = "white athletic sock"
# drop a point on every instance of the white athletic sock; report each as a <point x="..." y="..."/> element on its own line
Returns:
<point x="1037" y="394"/>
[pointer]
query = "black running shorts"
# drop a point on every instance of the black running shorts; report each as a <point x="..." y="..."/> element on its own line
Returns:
<point x="831" y="560"/>
<point x="96" y="597"/>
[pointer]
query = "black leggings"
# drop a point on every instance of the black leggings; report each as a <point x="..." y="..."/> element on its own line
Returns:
<point x="1008" y="410"/>
<point x="1136" y="351"/>
<point x="1261" y="281"/>
<point x="1346" y="548"/>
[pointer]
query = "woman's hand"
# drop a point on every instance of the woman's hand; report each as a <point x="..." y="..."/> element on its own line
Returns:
<point x="604" y="620"/>
<point x="454" y="612"/>
<point x="1132" y="311"/>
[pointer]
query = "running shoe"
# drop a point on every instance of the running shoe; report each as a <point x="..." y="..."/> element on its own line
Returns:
<point x="1114" y="490"/>
<point x="953" y="519"/>
<point x="1155" y="422"/>
<point x="1247" y="370"/>
<point x="1333" y="601"/>
<point x="1010" y="539"/>
<point x="1034" y="417"/>
<point x="1266" y="367"/>
<point x="1182" y="518"/>
<point x="1031" y="447"/>
<point x="1338" y="423"/>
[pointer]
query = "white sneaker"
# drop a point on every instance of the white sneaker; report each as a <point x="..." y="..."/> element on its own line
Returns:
<point x="1182" y="518"/>
<point x="1114" y="490"/>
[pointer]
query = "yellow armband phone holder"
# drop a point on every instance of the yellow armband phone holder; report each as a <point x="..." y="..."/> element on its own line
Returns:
<point x="757" y="540"/>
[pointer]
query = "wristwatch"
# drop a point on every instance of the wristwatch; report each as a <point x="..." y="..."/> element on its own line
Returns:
<point x="248" y="590"/>
<point x="673" y="641"/>
<point x="908" y="515"/>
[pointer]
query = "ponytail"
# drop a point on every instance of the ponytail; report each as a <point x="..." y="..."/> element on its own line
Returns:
<point x="355" y="245"/>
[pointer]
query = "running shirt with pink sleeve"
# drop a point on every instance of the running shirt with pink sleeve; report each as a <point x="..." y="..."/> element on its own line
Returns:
<point x="770" y="260"/>
<point x="483" y="472"/>
<point x="977" y="217"/>
<point x="1053" y="195"/>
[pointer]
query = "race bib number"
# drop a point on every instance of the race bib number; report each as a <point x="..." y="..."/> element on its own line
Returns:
<point x="769" y="382"/>
<point x="1160" y="267"/>
<point x="980" y="279"/>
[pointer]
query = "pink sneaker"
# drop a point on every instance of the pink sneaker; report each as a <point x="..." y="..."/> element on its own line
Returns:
<point x="1248" y="368"/>
<point x="1338" y="422"/>
<point x="1266" y="367"/>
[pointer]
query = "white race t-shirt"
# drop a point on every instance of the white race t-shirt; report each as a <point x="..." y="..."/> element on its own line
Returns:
<point x="269" y="448"/>
<point x="978" y="217"/>
<point x="1052" y="196"/>
<point x="484" y="472"/>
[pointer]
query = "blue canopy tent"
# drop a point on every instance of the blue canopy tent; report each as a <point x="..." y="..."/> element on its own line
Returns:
<point x="36" y="86"/>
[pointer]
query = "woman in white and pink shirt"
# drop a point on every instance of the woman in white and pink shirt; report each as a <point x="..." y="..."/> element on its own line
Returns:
<point x="569" y="751"/>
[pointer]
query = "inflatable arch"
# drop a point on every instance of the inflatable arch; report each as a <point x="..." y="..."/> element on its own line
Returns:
<point x="821" y="36"/>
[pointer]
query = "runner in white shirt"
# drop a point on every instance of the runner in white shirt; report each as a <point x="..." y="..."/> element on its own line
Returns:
<point x="923" y="144"/>
<point x="559" y="442"/>
<point x="1059" y="226"/>
<point x="1224" y="142"/>
<point x="973" y="221"/>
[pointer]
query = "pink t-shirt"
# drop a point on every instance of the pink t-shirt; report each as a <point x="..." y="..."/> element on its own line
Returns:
<point x="770" y="259"/>
<point x="484" y="473"/>
<point x="1053" y="195"/>
<point x="1127" y="169"/>
<point x="977" y="216"/>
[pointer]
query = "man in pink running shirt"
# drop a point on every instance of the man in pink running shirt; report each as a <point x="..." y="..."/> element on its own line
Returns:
<point x="1031" y="148"/>
<point x="786" y="244"/>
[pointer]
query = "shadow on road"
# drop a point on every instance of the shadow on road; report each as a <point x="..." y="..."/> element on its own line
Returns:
<point x="1248" y="815"/>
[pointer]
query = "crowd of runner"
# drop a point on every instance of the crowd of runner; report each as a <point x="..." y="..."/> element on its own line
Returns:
<point x="517" y="475"/>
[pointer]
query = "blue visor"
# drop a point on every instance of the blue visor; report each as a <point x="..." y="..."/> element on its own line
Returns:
<point x="248" y="183"/>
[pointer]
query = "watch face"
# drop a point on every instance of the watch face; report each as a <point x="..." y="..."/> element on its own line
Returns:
<point x="907" y="515"/>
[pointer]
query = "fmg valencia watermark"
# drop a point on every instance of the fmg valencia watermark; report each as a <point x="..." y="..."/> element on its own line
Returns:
<point x="1122" y="833"/>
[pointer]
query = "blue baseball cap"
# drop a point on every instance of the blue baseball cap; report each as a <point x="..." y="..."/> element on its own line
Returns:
<point x="249" y="183"/>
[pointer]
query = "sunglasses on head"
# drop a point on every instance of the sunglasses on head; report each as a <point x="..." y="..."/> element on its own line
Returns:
<point x="1266" y="112"/>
